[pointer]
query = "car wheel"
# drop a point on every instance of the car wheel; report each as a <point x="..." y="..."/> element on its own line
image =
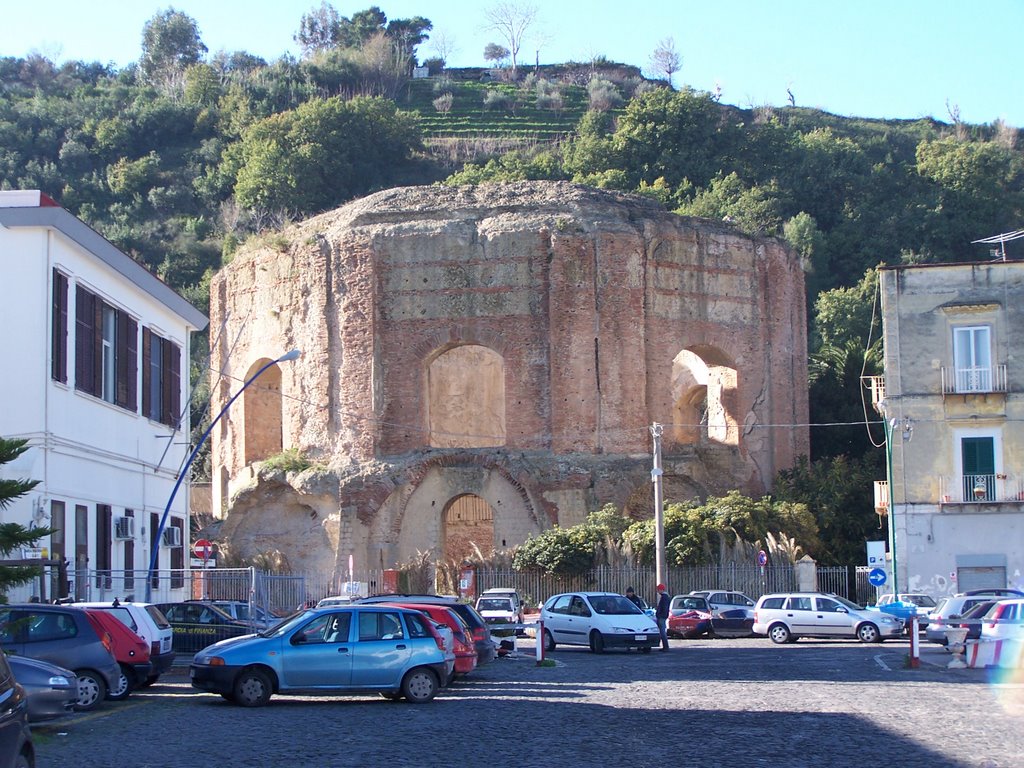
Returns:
<point x="91" y="690"/>
<point x="252" y="688"/>
<point x="123" y="685"/>
<point x="549" y="641"/>
<point x="779" y="634"/>
<point x="596" y="642"/>
<point x="868" y="633"/>
<point x="419" y="685"/>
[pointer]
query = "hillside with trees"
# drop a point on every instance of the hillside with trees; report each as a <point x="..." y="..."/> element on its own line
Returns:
<point x="184" y="154"/>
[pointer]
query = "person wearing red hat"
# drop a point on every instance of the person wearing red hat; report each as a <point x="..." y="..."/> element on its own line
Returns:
<point x="661" y="614"/>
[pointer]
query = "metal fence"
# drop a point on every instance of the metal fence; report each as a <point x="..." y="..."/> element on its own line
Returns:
<point x="283" y="593"/>
<point x="751" y="580"/>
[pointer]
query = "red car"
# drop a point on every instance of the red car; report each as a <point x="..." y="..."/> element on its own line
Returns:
<point x="465" y="650"/>
<point x="130" y="650"/>
<point x="688" y="616"/>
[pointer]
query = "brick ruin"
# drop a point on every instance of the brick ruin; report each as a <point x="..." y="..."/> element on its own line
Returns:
<point x="480" y="363"/>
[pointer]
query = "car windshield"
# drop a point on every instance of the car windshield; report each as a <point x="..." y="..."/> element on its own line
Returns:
<point x="493" y="604"/>
<point x="921" y="601"/>
<point x="687" y="603"/>
<point x="941" y="604"/>
<point x="846" y="602"/>
<point x="286" y="624"/>
<point x="613" y="605"/>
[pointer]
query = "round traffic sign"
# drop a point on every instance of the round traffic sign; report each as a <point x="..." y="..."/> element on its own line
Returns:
<point x="877" y="577"/>
<point x="762" y="558"/>
<point x="203" y="548"/>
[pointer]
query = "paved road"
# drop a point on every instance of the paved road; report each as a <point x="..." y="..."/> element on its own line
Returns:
<point x="706" y="702"/>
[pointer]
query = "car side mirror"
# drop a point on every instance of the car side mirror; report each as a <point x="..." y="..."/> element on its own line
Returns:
<point x="841" y="609"/>
<point x="299" y="639"/>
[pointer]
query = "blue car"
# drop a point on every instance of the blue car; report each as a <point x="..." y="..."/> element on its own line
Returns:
<point x="390" y="651"/>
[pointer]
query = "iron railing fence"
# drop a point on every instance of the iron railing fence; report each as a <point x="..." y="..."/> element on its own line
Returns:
<point x="751" y="580"/>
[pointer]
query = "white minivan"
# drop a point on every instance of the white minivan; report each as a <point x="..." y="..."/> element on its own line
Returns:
<point x="598" y="619"/>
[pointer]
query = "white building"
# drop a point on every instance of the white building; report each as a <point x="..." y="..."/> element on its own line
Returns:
<point x="95" y="377"/>
<point x="953" y="402"/>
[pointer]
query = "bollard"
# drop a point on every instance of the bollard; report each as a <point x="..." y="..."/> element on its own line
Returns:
<point x="915" y="643"/>
<point x="540" y="641"/>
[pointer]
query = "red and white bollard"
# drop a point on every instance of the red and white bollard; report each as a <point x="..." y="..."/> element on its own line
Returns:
<point x="540" y="641"/>
<point x="915" y="643"/>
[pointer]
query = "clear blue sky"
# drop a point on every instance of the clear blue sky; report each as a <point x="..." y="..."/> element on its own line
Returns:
<point x="869" y="58"/>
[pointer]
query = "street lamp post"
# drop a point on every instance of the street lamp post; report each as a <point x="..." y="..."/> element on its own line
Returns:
<point x="889" y="425"/>
<point x="294" y="354"/>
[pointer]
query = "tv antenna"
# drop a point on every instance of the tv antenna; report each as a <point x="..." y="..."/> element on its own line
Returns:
<point x="1000" y="252"/>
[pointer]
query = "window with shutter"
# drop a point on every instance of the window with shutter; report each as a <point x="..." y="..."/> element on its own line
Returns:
<point x="59" y="329"/>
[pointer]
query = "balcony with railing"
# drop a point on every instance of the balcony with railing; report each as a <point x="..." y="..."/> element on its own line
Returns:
<point x="881" y="497"/>
<point x="972" y="488"/>
<point x="978" y="380"/>
<point x="876" y="386"/>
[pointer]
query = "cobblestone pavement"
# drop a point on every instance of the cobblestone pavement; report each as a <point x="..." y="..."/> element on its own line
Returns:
<point x="743" y="702"/>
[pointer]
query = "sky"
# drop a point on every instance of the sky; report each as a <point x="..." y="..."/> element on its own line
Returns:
<point x="901" y="59"/>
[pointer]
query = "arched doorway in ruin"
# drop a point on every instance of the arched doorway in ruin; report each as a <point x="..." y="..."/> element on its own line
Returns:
<point x="467" y="528"/>
<point x="704" y="395"/>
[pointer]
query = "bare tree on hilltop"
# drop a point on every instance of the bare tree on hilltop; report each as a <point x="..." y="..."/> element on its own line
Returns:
<point x="666" y="60"/>
<point x="510" y="21"/>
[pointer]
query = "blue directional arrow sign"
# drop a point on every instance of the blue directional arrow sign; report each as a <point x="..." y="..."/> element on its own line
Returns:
<point x="877" y="577"/>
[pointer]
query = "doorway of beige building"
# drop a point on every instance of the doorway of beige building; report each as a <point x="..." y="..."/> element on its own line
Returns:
<point x="467" y="522"/>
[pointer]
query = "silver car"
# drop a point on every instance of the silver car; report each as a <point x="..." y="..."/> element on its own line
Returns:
<point x="52" y="690"/>
<point x="786" y="617"/>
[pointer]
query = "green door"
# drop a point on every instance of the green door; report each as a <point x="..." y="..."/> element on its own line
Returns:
<point x="979" y="463"/>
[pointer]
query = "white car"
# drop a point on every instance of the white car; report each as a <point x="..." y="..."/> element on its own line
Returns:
<point x="1004" y="621"/>
<point x="786" y="617"/>
<point x="598" y="619"/>
<point x="149" y="623"/>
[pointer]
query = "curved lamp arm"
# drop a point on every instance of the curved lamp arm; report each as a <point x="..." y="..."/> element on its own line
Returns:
<point x="292" y="355"/>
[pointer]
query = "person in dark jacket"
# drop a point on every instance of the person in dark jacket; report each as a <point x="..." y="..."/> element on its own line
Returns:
<point x="634" y="599"/>
<point x="661" y="614"/>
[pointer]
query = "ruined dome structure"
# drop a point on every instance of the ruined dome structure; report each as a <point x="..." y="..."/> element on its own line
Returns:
<point x="481" y="363"/>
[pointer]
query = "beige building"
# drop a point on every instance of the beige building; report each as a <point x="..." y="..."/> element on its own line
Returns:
<point x="953" y="402"/>
<point x="479" y="364"/>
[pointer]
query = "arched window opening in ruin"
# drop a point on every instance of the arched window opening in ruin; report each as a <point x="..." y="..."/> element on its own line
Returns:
<point x="466" y="398"/>
<point x="468" y="525"/>
<point x="704" y="394"/>
<point x="261" y="402"/>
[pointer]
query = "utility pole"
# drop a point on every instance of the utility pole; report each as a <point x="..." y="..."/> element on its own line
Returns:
<point x="659" y="512"/>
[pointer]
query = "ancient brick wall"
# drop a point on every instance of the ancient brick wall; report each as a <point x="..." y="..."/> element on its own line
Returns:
<point x="602" y="312"/>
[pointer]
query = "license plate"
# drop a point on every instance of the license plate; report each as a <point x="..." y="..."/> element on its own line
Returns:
<point x="640" y="638"/>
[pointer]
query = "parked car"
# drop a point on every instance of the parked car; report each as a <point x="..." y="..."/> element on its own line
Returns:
<point x="16" y="747"/>
<point x="500" y="612"/>
<point x="952" y="608"/>
<point x="151" y="625"/>
<point x="52" y="690"/>
<point x="598" y="619"/>
<point x="906" y="605"/>
<point x="486" y="650"/>
<point x="995" y="591"/>
<point x="198" y="624"/>
<point x="465" y="650"/>
<point x="63" y="635"/>
<point x="340" y="649"/>
<point x="972" y="619"/>
<point x="253" y="614"/>
<point x="517" y="601"/>
<point x="786" y="617"/>
<point x="336" y="600"/>
<point x="722" y="600"/>
<point x="130" y="650"/>
<point x="689" y="616"/>
<point x="1004" y="620"/>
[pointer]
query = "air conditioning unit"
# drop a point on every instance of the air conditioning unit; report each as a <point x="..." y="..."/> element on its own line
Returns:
<point x="124" y="528"/>
<point x="171" y="537"/>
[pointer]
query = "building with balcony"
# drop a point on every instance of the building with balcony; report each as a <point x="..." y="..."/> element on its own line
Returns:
<point x="952" y="401"/>
<point x="95" y="360"/>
